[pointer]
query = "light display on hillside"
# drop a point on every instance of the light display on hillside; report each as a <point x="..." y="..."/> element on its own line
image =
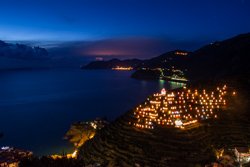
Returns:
<point x="181" y="108"/>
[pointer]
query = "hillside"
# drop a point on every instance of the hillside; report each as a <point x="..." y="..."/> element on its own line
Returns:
<point x="166" y="60"/>
<point x="122" y="144"/>
<point x="113" y="63"/>
<point x="225" y="59"/>
<point x="128" y="141"/>
<point x="170" y="59"/>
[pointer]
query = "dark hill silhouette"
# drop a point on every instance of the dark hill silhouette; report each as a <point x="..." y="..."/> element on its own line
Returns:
<point x="167" y="60"/>
<point x="113" y="63"/>
<point x="225" y="59"/>
<point x="164" y="61"/>
<point x="120" y="144"/>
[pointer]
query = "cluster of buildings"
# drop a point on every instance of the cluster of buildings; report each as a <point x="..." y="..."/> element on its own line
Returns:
<point x="231" y="157"/>
<point x="242" y="154"/>
<point x="98" y="123"/>
<point x="120" y="68"/>
<point x="10" y="157"/>
<point x="183" y="108"/>
<point x="68" y="156"/>
<point x="181" y="53"/>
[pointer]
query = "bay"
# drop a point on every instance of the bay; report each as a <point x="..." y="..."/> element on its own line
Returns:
<point x="37" y="107"/>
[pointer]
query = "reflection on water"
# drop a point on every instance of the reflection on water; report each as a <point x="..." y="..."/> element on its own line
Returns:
<point x="172" y="84"/>
<point x="161" y="83"/>
<point x="175" y="85"/>
<point x="37" y="107"/>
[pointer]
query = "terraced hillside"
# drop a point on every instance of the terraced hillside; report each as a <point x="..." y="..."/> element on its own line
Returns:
<point x="121" y="144"/>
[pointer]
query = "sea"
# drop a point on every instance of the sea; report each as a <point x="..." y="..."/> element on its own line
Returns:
<point x="37" y="107"/>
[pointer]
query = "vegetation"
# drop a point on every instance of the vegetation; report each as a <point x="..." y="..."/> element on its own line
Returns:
<point x="227" y="59"/>
<point x="79" y="133"/>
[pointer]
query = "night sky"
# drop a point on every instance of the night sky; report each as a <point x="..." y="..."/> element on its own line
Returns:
<point x="123" y="27"/>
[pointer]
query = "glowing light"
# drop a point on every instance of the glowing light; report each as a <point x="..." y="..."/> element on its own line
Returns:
<point x="181" y="53"/>
<point x="5" y="148"/>
<point x="163" y="92"/>
<point x="122" y="68"/>
<point x="74" y="154"/>
<point x="178" y="122"/>
<point x="179" y="109"/>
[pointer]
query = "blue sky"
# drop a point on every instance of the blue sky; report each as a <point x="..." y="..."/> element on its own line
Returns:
<point x="183" y="21"/>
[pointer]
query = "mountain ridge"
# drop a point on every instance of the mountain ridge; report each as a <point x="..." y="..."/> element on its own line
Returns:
<point x="218" y="60"/>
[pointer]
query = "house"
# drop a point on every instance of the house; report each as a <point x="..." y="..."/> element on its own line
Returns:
<point x="10" y="157"/>
<point x="242" y="154"/>
<point x="8" y="163"/>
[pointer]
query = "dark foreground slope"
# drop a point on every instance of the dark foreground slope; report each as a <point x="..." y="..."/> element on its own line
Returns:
<point x="227" y="59"/>
<point x="121" y="144"/>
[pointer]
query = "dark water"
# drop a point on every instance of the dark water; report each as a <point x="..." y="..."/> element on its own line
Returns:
<point x="37" y="107"/>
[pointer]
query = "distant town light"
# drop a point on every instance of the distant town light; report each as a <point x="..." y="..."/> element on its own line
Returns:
<point x="99" y="59"/>
<point x="181" y="53"/>
<point x="122" y="68"/>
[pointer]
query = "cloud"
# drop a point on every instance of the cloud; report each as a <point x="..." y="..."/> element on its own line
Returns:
<point x="139" y="47"/>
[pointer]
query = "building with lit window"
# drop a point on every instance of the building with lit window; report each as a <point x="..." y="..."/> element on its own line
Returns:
<point x="242" y="154"/>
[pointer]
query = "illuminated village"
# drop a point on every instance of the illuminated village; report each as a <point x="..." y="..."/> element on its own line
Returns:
<point x="10" y="156"/>
<point x="120" y="68"/>
<point x="181" y="53"/>
<point x="183" y="108"/>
